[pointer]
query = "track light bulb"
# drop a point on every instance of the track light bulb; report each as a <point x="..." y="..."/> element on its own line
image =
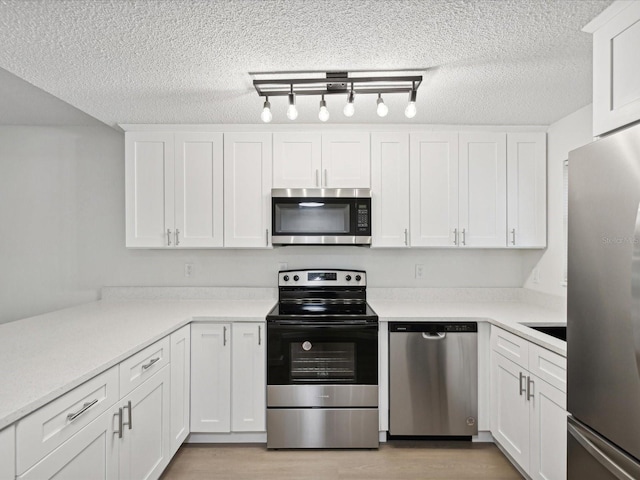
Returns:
<point x="349" y="108"/>
<point x="292" y="111"/>
<point x="411" y="109"/>
<point x="382" y="109"/>
<point x="266" y="114"/>
<point x="323" y="114"/>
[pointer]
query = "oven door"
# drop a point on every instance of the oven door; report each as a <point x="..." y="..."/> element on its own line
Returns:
<point x="312" y="353"/>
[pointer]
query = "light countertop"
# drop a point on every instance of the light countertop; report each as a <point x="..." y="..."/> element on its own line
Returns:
<point x="46" y="356"/>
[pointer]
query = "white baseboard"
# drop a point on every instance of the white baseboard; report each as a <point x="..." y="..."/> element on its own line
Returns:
<point x="248" y="437"/>
<point x="483" y="437"/>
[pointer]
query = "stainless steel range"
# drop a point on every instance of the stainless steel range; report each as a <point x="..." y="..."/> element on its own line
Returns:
<point x="322" y="362"/>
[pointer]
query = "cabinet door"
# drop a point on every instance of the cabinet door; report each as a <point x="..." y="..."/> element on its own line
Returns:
<point x="180" y="386"/>
<point x="249" y="383"/>
<point x="616" y="71"/>
<point x="346" y="160"/>
<point x="247" y="190"/>
<point x="92" y="453"/>
<point x="210" y="377"/>
<point x="548" y="432"/>
<point x="434" y="189"/>
<point x="510" y="408"/>
<point x="390" y="189"/>
<point x="149" y="187"/>
<point x="526" y="190"/>
<point x="145" y="448"/>
<point x="483" y="189"/>
<point x="198" y="190"/>
<point x="8" y="453"/>
<point x="296" y="160"/>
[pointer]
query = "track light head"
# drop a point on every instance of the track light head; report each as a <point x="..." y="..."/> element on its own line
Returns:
<point x="266" y="114"/>
<point x="382" y="109"/>
<point x="349" y="108"/>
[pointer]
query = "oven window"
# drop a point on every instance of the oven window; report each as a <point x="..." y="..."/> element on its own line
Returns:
<point x="318" y="217"/>
<point x="323" y="361"/>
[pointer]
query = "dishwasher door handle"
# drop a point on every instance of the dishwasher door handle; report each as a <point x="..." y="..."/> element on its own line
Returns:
<point x="434" y="336"/>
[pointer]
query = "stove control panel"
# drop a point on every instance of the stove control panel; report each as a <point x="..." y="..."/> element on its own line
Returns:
<point x="322" y="278"/>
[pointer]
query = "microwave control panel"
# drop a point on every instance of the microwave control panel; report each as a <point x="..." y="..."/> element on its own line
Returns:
<point x="362" y="221"/>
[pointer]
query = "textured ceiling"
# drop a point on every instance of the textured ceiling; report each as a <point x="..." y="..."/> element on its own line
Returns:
<point x="187" y="61"/>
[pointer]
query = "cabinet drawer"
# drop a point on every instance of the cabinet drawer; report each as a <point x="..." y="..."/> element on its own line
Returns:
<point x="549" y="366"/>
<point x="47" y="428"/>
<point x="511" y="346"/>
<point x="137" y="368"/>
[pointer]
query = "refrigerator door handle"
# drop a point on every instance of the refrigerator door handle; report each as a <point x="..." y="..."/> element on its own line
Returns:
<point x="593" y="450"/>
<point x="635" y="289"/>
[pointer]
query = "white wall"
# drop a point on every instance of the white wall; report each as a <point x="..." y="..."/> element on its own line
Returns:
<point x="62" y="236"/>
<point x="567" y="134"/>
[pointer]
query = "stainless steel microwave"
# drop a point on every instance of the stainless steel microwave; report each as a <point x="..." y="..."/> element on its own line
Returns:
<point x="321" y="216"/>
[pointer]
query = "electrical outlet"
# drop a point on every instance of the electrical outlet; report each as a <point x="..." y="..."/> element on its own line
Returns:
<point x="536" y="275"/>
<point x="188" y="269"/>
<point x="419" y="270"/>
<point x="283" y="266"/>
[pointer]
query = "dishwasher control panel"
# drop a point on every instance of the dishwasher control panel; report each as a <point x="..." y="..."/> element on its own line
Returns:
<point x="434" y="327"/>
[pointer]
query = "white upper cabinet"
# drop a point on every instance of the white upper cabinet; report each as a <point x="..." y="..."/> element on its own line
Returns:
<point x="321" y="160"/>
<point x="247" y="190"/>
<point x="483" y="189"/>
<point x="526" y="190"/>
<point x="173" y="189"/>
<point x="149" y="165"/>
<point x="616" y="66"/>
<point x="434" y="189"/>
<point x="198" y="190"/>
<point x="297" y="160"/>
<point x="390" y="189"/>
<point x="346" y="160"/>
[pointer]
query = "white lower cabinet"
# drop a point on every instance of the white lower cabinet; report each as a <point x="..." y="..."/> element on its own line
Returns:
<point x="180" y="386"/>
<point x="8" y="453"/>
<point x="228" y="377"/>
<point x="528" y="414"/>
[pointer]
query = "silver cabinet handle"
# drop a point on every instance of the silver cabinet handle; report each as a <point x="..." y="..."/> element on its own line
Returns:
<point x="326" y="178"/>
<point x="129" y="423"/>
<point x="87" y="405"/>
<point x="224" y="336"/>
<point x="168" y="236"/>
<point x="513" y="236"/>
<point x="259" y="334"/>
<point x="522" y="389"/>
<point x="317" y="178"/>
<point x="406" y="236"/>
<point x="120" y="426"/>
<point x="151" y="362"/>
<point x="266" y="236"/>
<point x="455" y="236"/>
<point x="530" y="385"/>
<point x="177" y="237"/>
<point x="464" y="236"/>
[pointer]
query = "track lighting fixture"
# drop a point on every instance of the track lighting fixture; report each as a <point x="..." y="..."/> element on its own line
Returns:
<point x="411" y="110"/>
<point x="349" y="108"/>
<point x="323" y="114"/>
<point x="381" y="109"/>
<point x="340" y="83"/>
<point x="266" y="114"/>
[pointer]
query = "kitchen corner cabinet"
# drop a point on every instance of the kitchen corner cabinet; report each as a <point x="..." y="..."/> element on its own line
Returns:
<point x="390" y="189"/>
<point x="616" y="66"/>
<point x="527" y="190"/>
<point x="8" y="453"/>
<point x="228" y="396"/>
<point x="321" y="160"/>
<point x="174" y="189"/>
<point x="247" y="190"/>
<point x="180" y="386"/>
<point x="528" y="405"/>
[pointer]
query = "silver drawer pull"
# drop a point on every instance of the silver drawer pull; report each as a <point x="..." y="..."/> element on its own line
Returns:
<point x="87" y="405"/>
<point x="128" y="407"/>
<point x="151" y="362"/>
<point x="120" y="426"/>
<point x="522" y="389"/>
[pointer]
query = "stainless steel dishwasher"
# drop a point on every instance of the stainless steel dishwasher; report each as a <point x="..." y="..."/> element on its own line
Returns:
<point x="433" y="379"/>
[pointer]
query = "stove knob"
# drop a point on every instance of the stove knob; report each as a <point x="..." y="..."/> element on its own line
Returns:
<point x="358" y="278"/>
<point x="286" y="278"/>
<point x="348" y="278"/>
<point x="296" y="278"/>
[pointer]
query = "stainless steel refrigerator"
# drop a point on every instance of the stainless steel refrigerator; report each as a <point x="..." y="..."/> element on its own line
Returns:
<point x="603" y="337"/>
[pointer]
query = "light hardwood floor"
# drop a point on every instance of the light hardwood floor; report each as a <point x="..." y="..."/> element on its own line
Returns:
<point x="402" y="460"/>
